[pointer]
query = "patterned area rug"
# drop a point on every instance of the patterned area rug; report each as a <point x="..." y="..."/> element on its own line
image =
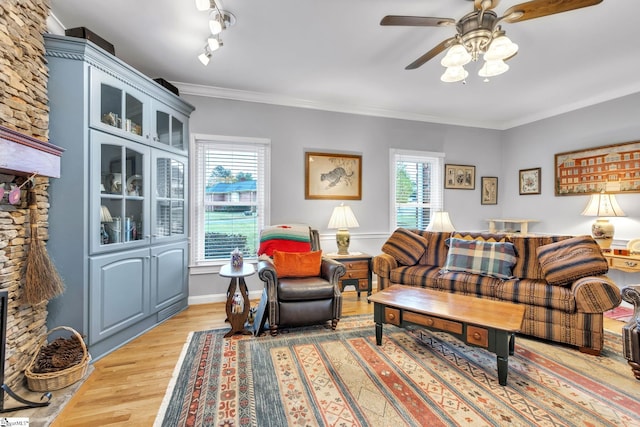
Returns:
<point x="620" y="313"/>
<point x="319" y="377"/>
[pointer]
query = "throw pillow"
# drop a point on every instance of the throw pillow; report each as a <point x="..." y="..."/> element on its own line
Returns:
<point x="297" y="264"/>
<point x="568" y="260"/>
<point x="493" y="259"/>
<point x="405" y="246"/>
<point x="289" y="238"/>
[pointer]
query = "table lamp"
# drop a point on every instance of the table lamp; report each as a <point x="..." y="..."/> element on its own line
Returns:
<point x="440" y="221"/>
<point x="603" y="205"/>
<point x="343" y="218"/>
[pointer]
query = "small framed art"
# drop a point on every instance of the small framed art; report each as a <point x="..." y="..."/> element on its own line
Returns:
<point x="489" y="186"/>
<point x="333" y="176"/>
<point x="461" y="177"/>
<point x="530" y="181"/>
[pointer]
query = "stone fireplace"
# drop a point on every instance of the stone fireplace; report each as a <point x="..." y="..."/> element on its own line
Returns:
<point x="24" y="149"/>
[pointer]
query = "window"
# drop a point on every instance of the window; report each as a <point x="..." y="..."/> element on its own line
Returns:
<point x="229" y="197"/>
<point x="416" y="187"/>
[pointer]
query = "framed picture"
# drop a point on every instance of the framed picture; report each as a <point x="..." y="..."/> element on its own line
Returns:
<point x="530" y="181"/>
<point x="489" y="194"/>
<point x="461" y="177"/>
<point x="612" y="168"/>
<point x="333" y="176"/>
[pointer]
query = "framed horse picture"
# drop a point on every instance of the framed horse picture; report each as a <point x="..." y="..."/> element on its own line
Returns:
<point x="333" y="176"/>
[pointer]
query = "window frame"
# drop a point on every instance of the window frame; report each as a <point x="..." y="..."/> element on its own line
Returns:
<point x="437" y="179"/>
<point x="198" y="264"/>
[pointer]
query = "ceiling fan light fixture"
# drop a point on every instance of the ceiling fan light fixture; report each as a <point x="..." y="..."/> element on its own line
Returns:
<point x="493" y="68"/>
<point x="454" y="74"/>
<point x="456" y="56"/>
<point x="501" y="48"/>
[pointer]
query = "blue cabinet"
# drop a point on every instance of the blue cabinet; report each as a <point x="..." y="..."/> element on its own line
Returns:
<point x="118" y="219"/>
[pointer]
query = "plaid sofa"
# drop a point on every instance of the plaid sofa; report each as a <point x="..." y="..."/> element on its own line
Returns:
<point x="569" y="312"/>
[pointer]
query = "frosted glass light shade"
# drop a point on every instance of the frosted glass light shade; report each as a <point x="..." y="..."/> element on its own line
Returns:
<point x="204" y="58"/>
<point x="214" y="44"/>
<point x="456" y="56"/>
<point x="203" y="5"/>
<point x="454" y="74"/>
<point x="493" y="68"/>
<point x="215" y="26"/>
<point x="501" y="48"/>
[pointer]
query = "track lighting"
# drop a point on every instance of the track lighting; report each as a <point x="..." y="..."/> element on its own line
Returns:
<point x="219" y="20"/>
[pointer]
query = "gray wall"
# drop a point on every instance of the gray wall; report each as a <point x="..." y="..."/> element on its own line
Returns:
<point x="293" y="131"/>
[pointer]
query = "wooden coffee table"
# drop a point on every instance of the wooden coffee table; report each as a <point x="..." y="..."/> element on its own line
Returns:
<point x="480" y="322"/>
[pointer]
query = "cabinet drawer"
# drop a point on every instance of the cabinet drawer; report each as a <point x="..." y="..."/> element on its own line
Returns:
<point x="477" y="336"/>
<point x="392" y="316"/>
<point x="363" y="284"/>
<point x="356" y="274"/>
<point x="433" y="322"/>
<point x="625" y="264"/>
<point x="357" y="265"/>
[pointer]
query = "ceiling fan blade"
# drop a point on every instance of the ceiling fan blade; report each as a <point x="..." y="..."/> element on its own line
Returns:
<point x="539" y="8"/>
<point x="416" y="21"/>
<point x="489" y="4"/>
<point x="433" y="52"/>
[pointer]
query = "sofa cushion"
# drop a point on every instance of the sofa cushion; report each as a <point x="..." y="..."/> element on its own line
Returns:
<point x="527" y="265"/>
<point x="493" y="259"/>
<point x="405" y="246"/>
<point x="297" y="264"/>
<point x="436" y="253"/>
<point x="289" y="238"/>
<point x="568" y="260"/>
<point x="461" y="282"/>
<point x="422" y="276"/>
<point x="537" y="292"/>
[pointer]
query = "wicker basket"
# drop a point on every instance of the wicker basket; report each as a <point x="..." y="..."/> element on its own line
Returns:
<point x="60" y="379"/>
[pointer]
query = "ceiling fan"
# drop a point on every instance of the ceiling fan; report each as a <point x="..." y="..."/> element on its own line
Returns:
<point x="479" y="33"/>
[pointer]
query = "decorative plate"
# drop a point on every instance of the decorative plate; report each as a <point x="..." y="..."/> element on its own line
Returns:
<point x="134" y="185"/>
<point x="634" y="246"/>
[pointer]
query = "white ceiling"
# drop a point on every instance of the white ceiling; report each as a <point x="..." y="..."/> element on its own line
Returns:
<point x="334" y="55"/>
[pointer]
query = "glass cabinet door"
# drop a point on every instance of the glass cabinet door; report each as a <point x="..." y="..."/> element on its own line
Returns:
<point x="118" y="108"/>
<point x="121" y="210"/>
<point x="170" y="129"/>
<point x="169" y="215"/>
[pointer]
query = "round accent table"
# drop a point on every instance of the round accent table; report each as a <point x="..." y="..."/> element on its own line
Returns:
<point x="237" y="311"/>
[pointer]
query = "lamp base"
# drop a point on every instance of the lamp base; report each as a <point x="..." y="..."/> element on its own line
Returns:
<point x="602" y="232"/>
<point x="342" y="241"/>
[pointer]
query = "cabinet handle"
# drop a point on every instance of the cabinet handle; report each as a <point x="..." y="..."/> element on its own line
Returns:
<point x="429" y="322"/>
<point x="631" y="263"/>
<point x="391" y="316"/>
<point x="476" y="336"/>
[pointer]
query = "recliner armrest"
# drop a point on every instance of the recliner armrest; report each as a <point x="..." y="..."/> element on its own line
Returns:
<point x="631" y="294"/>
<point x="332" y="270"/>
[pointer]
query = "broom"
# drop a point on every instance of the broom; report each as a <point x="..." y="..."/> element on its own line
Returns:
<point x="42" y="281"/>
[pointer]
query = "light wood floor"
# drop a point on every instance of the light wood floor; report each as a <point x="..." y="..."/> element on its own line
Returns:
<point x="127" y="386"/>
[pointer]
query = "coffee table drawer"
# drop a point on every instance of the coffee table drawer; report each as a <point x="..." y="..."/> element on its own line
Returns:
<point x="477" y="336"/>
<point x="392" y="316"/>
<point x="433" y="322"/>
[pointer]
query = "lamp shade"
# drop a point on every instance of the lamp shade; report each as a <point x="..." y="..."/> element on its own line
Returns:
<point x="343" y="217"/>
<point x="202" y="5"/>
<point x="456" y="56"/>
<point x="105" y="215"/>
<point x="603" y="204"/>
<point x="440" y="221"/>
<point x="454" y="74"/>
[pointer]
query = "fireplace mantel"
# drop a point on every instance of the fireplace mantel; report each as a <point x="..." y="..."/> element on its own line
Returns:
<point x="24" y="155"/>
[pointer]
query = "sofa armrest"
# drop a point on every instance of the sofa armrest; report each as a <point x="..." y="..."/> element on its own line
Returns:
<point x="382" y="266"/>
<point x="596" y="294"/>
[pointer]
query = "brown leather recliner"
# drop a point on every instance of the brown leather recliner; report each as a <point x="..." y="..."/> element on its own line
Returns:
<point x="298" y="301"/>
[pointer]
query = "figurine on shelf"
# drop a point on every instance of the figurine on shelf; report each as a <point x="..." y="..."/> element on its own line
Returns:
<point x="236" y="259"/>
<point x="237" y="304"/>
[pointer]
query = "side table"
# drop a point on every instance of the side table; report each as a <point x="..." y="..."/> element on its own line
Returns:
<point x="238" y="311"/>
<point x="358" y="273"/>
<point x="628" y="263"/>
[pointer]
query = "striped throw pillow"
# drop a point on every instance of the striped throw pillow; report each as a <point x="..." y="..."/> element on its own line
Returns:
<point x="406" y="247"/>
<point x="493" y="259"/>
<point x="568" y="260"/>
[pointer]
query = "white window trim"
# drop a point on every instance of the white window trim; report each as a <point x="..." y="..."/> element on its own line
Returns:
<point x="205" y="267"/>
<point x="438" y="180"/>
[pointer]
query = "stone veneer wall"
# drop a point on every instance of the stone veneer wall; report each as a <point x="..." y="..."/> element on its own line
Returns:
<point x="23" y="107"/>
